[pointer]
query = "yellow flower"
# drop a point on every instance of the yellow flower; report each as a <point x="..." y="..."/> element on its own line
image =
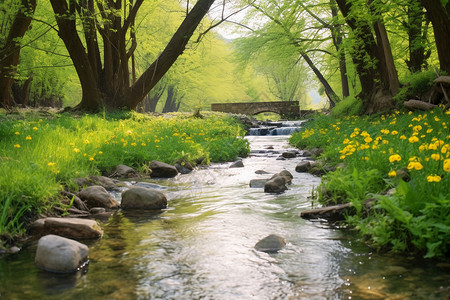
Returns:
<point x="394" y="158"/>
<point x="429" y="130"/>
<point x="16" y="146"/>
<point x="51" y="164"/>
<point x="76" y="150"/>
<point x="415" y="165"/>
<point x="435" y="156"/>
<point x="394" y="132"/>
<point x="16" y="133"/>
<point x="368" y="139"/>
<point x="446" y="165"/>
<point x="35" y="128"/>
<point x="342" y="157"/>
<point x="434" y="178"/>
<point x="100" y="152"/>
<point x="91" y="158"/>
<point x="86" y="141"/>
<point x="143" y="144"/>
<point x="403" y="137"/>
<point x="133" y="144"/>
<point x="28" y="138"/>
<point x="392" y="173"/>
<point x="413" y="139"/>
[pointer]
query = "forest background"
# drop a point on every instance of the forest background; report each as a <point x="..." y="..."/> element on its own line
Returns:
<point x="355" y="49"/>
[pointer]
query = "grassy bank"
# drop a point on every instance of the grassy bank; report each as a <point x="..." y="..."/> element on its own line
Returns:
<point x="40" y="156"/>
<point x="406" y="151"/>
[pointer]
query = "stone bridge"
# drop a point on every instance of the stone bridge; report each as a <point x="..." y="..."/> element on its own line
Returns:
<point x="286" y="109"/>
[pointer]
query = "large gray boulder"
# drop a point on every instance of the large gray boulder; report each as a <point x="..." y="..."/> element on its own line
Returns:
<point x="162" y="170"/>
<point x="97" y="196"/>
<point x="61" y="255"/>
<point x="74" y="228"/>
<point x="303" y="166"/>
<point x="275" y="185"/>
<point x="289" y="154"/>
<point x="270" y="244"/>
<point x="123" y="171"/>
<point x="143" y="198"/>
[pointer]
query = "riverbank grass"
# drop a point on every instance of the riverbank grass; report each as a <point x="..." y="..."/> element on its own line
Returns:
<point x="408" y="151"/>
<point x="40" y="156"/>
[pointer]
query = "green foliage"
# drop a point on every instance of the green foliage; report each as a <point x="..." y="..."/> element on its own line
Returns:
<point x="349" y="106"/>
<point x="407" y="151"/>
<point x="40" y="156"/>
<point x="415" y="85"/>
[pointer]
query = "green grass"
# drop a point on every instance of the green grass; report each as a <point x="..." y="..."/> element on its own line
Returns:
<point x="377" y="152"/>
<point x="40" y="156"/>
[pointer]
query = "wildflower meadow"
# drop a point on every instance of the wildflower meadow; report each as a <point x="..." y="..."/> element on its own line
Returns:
<point x="41" y="156"/>
<point x="402" y="162"/>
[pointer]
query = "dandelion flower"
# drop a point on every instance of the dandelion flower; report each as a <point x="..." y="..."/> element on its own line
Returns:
<point x="394" y="158"/>
<point x="28" y="138"/>
<point x="76" y="150"/>
<point x="435" y="156"/>
<point x="51" y="164"/>
<point x="35" y="128"/>
<point x="413" y="139"/>
<point x="415" y="165"/>
<point x="16" y="146"/>
<point x="392" y="173"/>
<point x="16" y="133"/>
<point x="446" y="165"/>
<point x="433" y="178"/>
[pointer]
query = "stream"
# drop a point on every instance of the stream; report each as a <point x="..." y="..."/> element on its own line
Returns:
<point x="202" y="247"/>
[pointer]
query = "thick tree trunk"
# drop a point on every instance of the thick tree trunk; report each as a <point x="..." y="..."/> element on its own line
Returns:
<point x="440" y="19"/>
<point x="387" y="66"/>
<point x="10" y="52"/>
<point x="91" y="99"/>
<point x="371" y="62"/>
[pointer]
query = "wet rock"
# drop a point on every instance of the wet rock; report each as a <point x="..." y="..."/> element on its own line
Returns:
<point x="123" y="171"/>
<point x="303" y="166"/>
<point x="270" y="244"/>
<point x="75" y="200"/>
<point x="289" y="154"/>
<point x="286" y="179"/>
<point x="260" y="172"/>
<point x="316" y="151"/>
<point x="143" y="198"/>
<point x="182" y="169"/>
<point x="103" y="181"/>
<point x="306" y="153"/>
<point x="13" y="250"/>
<point x="97" y="196"/>
<point x="68" y="227"/>
<point x="286" y="173"/>
<point x="281" y="158"/>
<point x="237" y="164"/>
<point x="276" y="185"/>
<point x="162" y="170"/>
<point x="258" y="183"/>
<point x="61" y="255"/>
<point x="97" y="210"/>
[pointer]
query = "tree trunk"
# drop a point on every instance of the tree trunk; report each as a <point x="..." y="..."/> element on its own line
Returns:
<point x="371" y="62"/>
<point x="387" y="66"/>
<point x="416" y="38"/>
<point x="10" y="52"/>
<point x="337" y="36"/>
<point x="440" y="19"/>
<point x="332" y="97"/>
<point x="65" y="18"/>
<point x="109" y="86"/>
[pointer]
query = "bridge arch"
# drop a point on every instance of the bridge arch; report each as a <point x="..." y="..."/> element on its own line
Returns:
<point x="286" y="109"/>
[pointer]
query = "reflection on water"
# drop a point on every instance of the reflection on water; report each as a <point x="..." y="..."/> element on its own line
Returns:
<point x="201" y="247"/>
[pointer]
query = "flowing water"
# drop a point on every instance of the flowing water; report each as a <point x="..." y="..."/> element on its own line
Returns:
<point x="202" y="247"/>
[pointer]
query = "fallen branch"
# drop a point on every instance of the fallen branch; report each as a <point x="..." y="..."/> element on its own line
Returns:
<point x="417" y="104"/>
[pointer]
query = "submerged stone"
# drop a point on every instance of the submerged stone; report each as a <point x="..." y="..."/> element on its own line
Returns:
<point x="61" y="255"/>
<point x="271" y="244"/>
